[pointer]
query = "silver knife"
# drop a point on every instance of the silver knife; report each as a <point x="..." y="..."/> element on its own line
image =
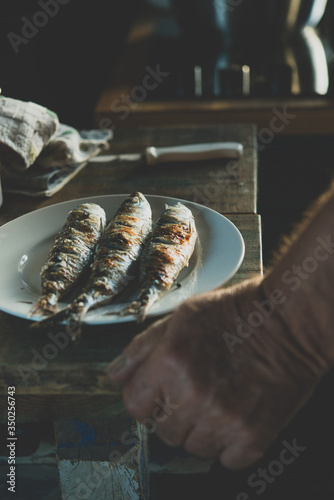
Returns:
<point x="188" y="152"/>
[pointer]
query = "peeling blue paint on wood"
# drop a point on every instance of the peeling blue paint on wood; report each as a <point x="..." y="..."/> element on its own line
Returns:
<point x="87" y="433"/>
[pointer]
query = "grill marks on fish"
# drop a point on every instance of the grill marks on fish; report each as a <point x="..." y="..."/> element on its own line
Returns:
<point x="126" y="244"/>
<point x="70" y="256"/>
<point x="118" y="253"/>
<point x="119" y="250"/>
<point x="166" y="254"/>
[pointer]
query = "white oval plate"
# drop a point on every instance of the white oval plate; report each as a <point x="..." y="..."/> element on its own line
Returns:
<point x="25" y="242"/>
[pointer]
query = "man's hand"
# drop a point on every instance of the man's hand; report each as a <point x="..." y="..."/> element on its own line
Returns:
<point x="214" y="379"/>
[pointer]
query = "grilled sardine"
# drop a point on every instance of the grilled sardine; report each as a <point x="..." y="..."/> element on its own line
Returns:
<point x="117" y="254"/>
<point x="71" y="254"/>
<point x="166" y="254"/>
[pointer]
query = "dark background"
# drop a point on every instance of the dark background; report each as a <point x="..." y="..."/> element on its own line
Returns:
<point x="65" y="67"/>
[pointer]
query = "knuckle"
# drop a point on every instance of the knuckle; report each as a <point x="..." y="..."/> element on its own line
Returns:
<point x="241" y="433"/>
<point x="131" y="403"/>
<point x="229" y="462"/>
<point x="198" y="448"/>
<point x="170" y="439"/>
<point x="236" y="458"/>
<point x="243" y="447"/>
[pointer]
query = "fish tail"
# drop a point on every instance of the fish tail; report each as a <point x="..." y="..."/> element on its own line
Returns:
<point x="62" y="315"/>
<point x="140" y="307"/>
<point x="72" y="316"/>
<point x="132" y="308"/>
<point x="47" y="304"/>
<point x="142" y="311"/>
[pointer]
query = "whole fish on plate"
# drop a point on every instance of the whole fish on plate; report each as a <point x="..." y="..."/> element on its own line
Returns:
<point x="113" y="268"/>
<point x="70" y="256"/>
<point x="166" y="254"/>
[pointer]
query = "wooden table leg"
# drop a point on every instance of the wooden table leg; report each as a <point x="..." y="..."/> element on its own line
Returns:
<point x="102" y="459"/>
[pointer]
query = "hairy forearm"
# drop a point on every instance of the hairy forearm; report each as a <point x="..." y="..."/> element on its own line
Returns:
<point x="304" y="275"/>
<point x="237" y="363"/>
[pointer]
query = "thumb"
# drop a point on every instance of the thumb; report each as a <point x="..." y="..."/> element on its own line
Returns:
<point x="124" y="366"/>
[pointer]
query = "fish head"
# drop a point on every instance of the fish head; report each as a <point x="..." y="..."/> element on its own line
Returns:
<point x="136" y="205"/>
<point x="178" y="212"/>
<point x="137" y="200"/>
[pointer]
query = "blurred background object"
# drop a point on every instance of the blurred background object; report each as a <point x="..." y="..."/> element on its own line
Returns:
<point x="62" y="54"/>
<point x="226" y="60"/>
<point x="281" y="43"/>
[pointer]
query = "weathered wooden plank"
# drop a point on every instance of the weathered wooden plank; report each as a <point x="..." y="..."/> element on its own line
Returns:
<point x="37" y="366"/>
<point x="38" y="482"/>
<point x="250" y="228"/>
<point x="102" y="459"/>
<point x="309" y="117"/>
<point x="224" y="185"/>
<point x="98" y="481"/>
<point x="38" y="408"/>
<point x="76" y="372"/>
<point x="227" y="186"/>
<point x="56" y="379"/>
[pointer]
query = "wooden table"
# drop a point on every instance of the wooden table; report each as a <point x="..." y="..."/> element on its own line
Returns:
<point x="66" y="383"/>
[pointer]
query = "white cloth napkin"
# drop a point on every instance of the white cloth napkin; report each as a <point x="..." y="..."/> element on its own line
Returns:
<point x="25" y="128"/>
<point x="39" y="155"/>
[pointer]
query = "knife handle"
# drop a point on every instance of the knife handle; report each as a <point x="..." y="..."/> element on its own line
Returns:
<point x="194" y="152"/>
